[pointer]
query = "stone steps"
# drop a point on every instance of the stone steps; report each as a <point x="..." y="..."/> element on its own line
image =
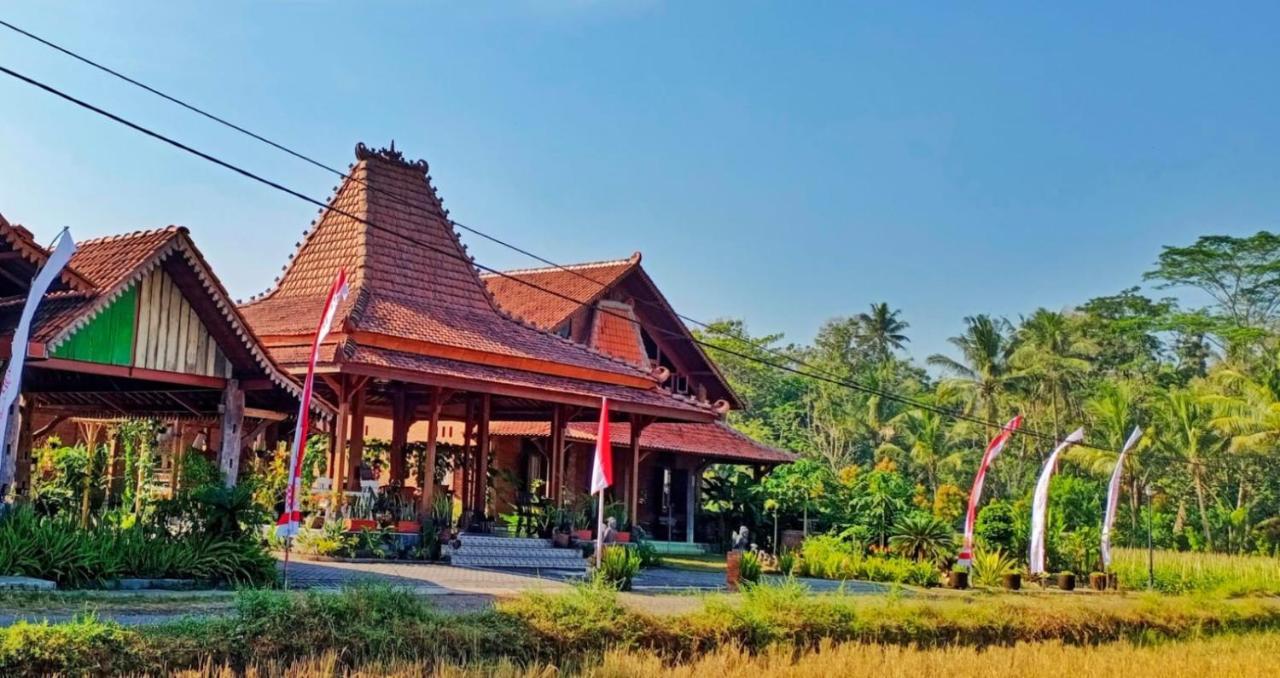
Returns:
<point x="515" y="553"/>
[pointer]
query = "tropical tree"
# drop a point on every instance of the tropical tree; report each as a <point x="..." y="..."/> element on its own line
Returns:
<point x="882" y="331"/>
<point x="922" y="536"/>
<point x="984" y="374"/>
<point x="1187" y="437"/>
<point x="1054" y="355"/>
<point x="931" y="442"/>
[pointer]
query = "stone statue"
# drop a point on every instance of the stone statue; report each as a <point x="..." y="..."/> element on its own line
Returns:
<point x="610" y="530"/>
<point x="742" y="539"/>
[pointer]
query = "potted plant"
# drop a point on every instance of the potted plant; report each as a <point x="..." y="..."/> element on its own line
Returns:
<point x="1011" y="580"/>
<point x="1098" y="581"/>
<point x="407" y="520"/>
<point x="358" y="514"/>
<point x="563" y="534"/>
<point x="958" y="577"/>
<point x="1067" y="581"/>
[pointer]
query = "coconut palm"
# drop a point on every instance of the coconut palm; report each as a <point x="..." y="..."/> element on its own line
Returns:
<point x="930" y="441"/>
<point x="1054" y="355"/>
<point x="1186" y="435"/>
<point x="984" y="374"/>
<point x="881" y="331"/>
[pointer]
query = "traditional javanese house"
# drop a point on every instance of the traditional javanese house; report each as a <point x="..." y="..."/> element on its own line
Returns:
<point x="615" y="308"/>
<point x="137" y="326"/>
<point x="421" y="338"/>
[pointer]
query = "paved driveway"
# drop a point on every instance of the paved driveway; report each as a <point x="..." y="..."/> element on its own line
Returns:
<point x="445" y="579"/>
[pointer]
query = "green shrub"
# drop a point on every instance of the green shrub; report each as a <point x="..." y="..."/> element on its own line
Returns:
<point x="618" y="566"/>
<point x="828" y="557"/>
<point x="649" y="556"/>
<point x="750" y="567"/>
<point x="83" y="646"/>
<point x="990" y="567"/>
<point x="57" y="548"/>
<point x="788" y="563"/>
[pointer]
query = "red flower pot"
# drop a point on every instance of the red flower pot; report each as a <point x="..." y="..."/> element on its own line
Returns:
<point x="357" y="524"/>
<point x="408" y="526"/>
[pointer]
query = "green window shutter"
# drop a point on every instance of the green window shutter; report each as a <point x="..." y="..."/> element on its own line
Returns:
<point x="108" y="338"/>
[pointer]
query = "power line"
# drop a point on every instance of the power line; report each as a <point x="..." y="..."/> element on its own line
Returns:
<point x="395" y="197"/>
<point x="326" y="207"/>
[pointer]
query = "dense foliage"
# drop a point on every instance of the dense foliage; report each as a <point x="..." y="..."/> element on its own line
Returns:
<point x="888" y="465"/>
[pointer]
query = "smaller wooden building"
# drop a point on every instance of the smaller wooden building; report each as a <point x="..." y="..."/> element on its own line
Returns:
<point x="137" y="326"/>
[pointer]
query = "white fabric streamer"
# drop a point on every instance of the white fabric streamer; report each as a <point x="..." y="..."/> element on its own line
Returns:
<point x="1040" y="504"/>
<point x="1113" y="497"/>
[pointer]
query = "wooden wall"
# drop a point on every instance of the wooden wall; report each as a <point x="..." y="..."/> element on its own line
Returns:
<point x="150" y="325"/>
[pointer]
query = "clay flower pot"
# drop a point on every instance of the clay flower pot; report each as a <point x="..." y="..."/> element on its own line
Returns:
<point x="1098" y="581"/>
<point x="1067" y="581"/>
<point x="582" y="535"/>
<point x="357" y="524"/>
<point x="957" y="579"/>
<point x="408" y="526"/>
<point x="560" y="540"/>
<point x="733" y="570"/>
<point x="622" y="537"/>
<point x="1012" y="581"/>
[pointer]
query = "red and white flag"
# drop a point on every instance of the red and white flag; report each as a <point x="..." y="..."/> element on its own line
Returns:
<point x="1040" y="503"/>
<point x="602" y="473"/>
<point x="602" y="467"/>
<point x="287" y="526"/>
<point x="970" y="517"/>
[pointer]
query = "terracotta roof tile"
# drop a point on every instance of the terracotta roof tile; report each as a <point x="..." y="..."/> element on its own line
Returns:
<point x="515" y="291"/>
<point x="429" y="293"/>
<point x="714" y="439"/>
<point x="616" y="331"/>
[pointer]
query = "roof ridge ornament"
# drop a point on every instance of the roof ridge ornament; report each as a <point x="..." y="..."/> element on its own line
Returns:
<point x="390" y="154"/>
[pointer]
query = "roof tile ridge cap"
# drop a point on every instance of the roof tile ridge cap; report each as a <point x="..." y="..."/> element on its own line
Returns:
<point x="105" y="295"/>
<point x="307" y="234"/>
<point x="244" y="331"/>
<point x="143" y="233"/>
<point x="631" y="260"/>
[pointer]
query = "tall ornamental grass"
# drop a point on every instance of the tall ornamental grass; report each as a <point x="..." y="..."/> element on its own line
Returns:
<point x="1204" y="573"/>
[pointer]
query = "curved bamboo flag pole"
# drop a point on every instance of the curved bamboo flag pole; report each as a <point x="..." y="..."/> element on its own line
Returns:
<point x="12" y="384"/>
<point x="602" y="473"/>
<point x="993" y="450"/>
<point x="1040" y="503"/>
<point x="287" y="526"/>
<point x="1113" y="497"/>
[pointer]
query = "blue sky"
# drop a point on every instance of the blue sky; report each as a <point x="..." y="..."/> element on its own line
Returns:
<point x="780" y="162"/>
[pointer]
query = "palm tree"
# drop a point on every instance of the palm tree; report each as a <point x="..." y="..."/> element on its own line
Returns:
<point x="1052" y="351"/>
<point x="922" y="536"/>
<point x="1186" y="434"/>
<point x="985" y="374"/>
<point x="881" y="331"/>
<point x="930" y="442"/>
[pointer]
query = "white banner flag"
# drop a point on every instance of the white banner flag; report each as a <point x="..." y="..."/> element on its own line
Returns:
<point x="1113" y="497"/>
<point x="1040" y="504"/>
<point x="12" y="384"/>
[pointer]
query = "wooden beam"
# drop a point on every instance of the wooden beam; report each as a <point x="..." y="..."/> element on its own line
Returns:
<point x="259" y="413"/>
<point x="44" y="430"/>
<point x="557" y="454"/>
<point x="339" y="456"/>
<point x="482" y="467"/>
<point x="399" y="432"/>
<point x="232" y="424"/>
<point x="355" y="447"/>
<point x="427" y="472"/>
<point x="127" y="372"/>
<point x="638" y="425"/>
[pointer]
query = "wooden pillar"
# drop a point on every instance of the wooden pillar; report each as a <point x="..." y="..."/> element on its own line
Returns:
<point x="482" y="457"/>
<point x="427" y="472"/>
<point x="633" y="476"/>
<point x="9" y="451"/>
<point x="232" y="424"/>
<point x="355" y="448"/>
<point x="691" y="507"/>
<point x="22" y="471"/>
<point x="338" y="458"/>
<point x="468" y="490"/>
<point x="399" y="433"/>
<point x="557" y="455"/>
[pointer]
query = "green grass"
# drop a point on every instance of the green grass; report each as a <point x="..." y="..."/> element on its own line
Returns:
<point x="378" y="624"/>
<point x="702" y="562"/>
<point x="1204" y="573"/>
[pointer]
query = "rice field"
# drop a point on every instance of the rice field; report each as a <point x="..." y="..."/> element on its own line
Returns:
<point x="1209" y="573"/>
<point x="1221" y="657"/>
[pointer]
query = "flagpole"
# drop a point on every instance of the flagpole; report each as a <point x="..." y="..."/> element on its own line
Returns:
<point x="600" y="531"/>
<point x="288" y="544"/>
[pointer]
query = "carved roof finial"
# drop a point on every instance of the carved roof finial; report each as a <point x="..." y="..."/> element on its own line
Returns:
<point x="389" y="154"/>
